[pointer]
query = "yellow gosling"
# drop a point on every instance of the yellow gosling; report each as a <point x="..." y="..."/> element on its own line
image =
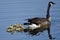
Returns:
<point x="16" y="24"/>
<point x="20" y="28"/>
<point x="10" y="29"/>
<point x="11" y="26"/>
<point x="21" y="25"/>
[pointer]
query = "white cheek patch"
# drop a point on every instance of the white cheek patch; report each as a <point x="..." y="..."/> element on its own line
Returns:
<point x="33" y="26"/>
<point x="51" y="4"/>
<point x="49" y="19"/>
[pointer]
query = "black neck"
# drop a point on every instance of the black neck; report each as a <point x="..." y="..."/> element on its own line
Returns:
<point x="48" y="15"/>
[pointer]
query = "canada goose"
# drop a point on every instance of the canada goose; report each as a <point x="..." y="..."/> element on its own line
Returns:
<point x="41" y="22"/>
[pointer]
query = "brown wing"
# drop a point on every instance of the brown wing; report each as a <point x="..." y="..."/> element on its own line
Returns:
<point x="37" y="20"/>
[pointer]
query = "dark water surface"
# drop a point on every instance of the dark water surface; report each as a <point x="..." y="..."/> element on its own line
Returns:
<point x="16" y="11"/>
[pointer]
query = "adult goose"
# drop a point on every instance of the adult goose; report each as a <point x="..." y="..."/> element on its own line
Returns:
<point x="41" y="22"/>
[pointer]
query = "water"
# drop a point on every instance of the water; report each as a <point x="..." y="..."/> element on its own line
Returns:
<point x="16" y="11"/>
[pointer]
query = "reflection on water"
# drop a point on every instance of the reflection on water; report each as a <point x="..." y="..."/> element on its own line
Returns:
<point x="20" y="28"/>
<point x="35" y="31"/>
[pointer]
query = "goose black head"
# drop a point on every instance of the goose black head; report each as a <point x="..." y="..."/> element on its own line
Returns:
<point x="51" y="3"/>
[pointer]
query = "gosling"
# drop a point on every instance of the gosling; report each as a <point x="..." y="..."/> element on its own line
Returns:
<point x="20" y="28"/>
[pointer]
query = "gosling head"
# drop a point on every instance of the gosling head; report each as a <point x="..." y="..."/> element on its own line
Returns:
<point x="51" y="3"/>
<point x="16" y="25"/>
<point x="11" y="26"/>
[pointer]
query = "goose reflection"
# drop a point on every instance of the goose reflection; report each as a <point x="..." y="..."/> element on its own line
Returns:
<point x="35" y="31"/>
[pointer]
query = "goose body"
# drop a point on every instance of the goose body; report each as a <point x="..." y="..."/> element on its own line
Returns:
<point x="41" y="21"/>
<point x="38" y="22"/>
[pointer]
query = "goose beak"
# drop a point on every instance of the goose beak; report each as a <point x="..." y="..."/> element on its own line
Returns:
<point x="53" y="3"/>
